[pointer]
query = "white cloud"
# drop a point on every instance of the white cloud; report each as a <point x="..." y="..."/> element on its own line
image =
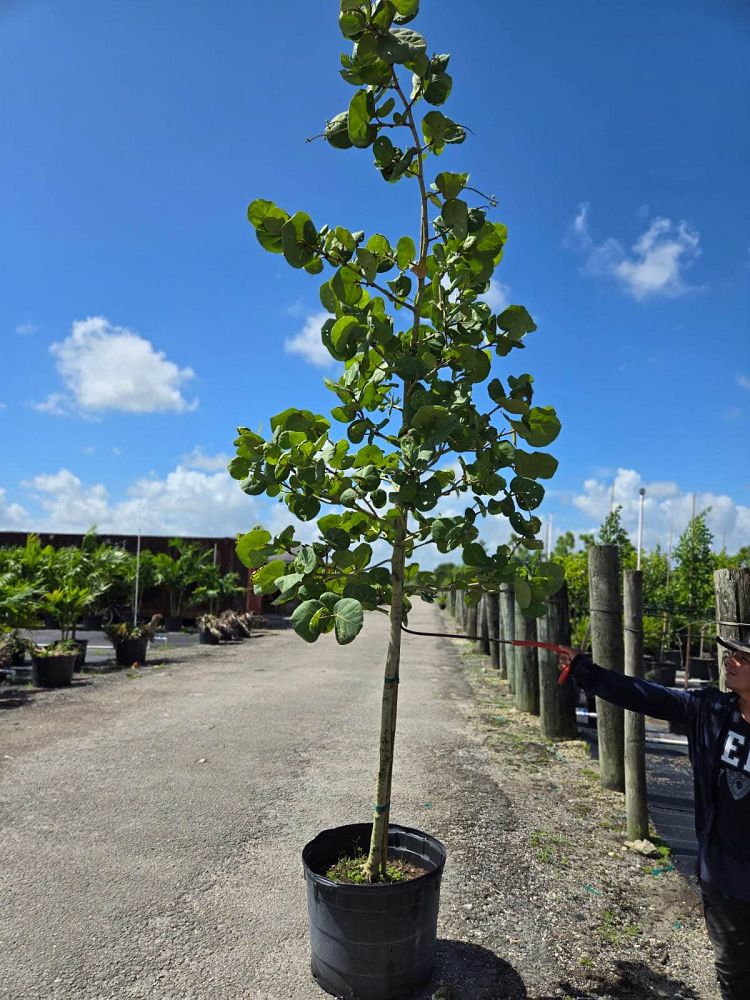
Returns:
<point x="497" y="296"/>
<point x="743" y="381"/>
<point x="308" y="344"/>
<point x="655" y="264"/>
<point x="198" y="459"/>
<point x="106" y="367"/>
<point x="12" y="515"/>
<point x="186" y="501"/>
<point x="26" y="328"/>
<point x="667" y="508"/>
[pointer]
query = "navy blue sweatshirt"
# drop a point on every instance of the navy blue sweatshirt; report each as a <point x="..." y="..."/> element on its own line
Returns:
<point x="708" y="715"/>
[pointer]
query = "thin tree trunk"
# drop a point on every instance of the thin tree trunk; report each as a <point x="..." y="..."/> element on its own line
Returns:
<point x="636" y="806"/>
<point x="557" y="703"/>
<point x="378" y="856"/>
<point x="607" y="650"/>
<point x="527" y="671"/>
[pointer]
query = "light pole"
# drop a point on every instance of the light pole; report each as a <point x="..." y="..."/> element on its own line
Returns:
<point x="642" y="494"/>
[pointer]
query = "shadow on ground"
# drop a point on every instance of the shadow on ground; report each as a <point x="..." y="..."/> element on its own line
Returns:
<point x="631" y="980"/>
<point x="472" y="973"/>
<point x="469" y="972"/>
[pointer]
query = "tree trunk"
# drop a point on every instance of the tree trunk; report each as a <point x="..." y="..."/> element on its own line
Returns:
<point x="507" y="619"/>
<point x="607" y="651"/>
<point x="557" y="703"/>
<point x="484" y="625"/>
<point x="493" y="625"/>
<point x="636" y="805"/>
<point x="378" y="856"/>
<point x="527" y="671"/>
<point x="732" y="605"/>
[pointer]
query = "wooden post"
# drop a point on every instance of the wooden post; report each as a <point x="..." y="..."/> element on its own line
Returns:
<point x="732" y="605"/>
<point x="607" y="651"/>
<point x="460" y="608"/>
<point x="527" y="671"/>
<point x="557" y="703"/>
<point x="471" y="619"/>
<point x="493" y="625"/>
<point x="507" y="619"/>
<point x="636" y="805"/>
<point x="484" y="626"/>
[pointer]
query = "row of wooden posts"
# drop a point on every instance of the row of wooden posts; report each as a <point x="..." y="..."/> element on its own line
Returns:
<point x="616" y="630"/>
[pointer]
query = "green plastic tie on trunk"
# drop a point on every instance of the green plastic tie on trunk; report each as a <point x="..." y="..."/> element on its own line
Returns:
<point x="382" y="809"/>
<point x="391" y="680"/>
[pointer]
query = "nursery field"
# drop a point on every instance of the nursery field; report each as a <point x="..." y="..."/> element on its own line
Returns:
<point x="153" y="821"/>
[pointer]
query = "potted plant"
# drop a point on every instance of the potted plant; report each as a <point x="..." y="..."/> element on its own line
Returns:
<point x="53" y="665"/>
<point x="416" y="340"/>
<point x="65" y="606"/>
<point x="19" y="609"/>
<point x="131" y="641"/>
<point x="180" y="575"/>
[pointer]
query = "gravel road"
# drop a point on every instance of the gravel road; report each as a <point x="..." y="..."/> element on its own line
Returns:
<point x="152" y="823"/>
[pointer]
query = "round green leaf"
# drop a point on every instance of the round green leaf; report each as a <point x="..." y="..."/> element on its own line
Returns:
<point x="405" y="252"/>
<point x="302" y="620"/>
<point x="348" y="619"/>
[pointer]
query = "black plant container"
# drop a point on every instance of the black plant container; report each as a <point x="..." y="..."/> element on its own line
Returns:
<point x="52" y="671"/>
<point x="208" y="638"/>
<point x="372" y="942"/>
<point x="130" y="651"/>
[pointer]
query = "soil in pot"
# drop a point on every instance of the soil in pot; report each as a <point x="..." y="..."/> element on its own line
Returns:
<point x="52" y="671"/>
<point x="130" y="651"/>
<point x="372" y="942"/>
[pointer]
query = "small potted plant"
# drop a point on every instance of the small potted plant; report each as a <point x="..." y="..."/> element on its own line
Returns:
<point x="53" y="665"/>
<point x="131" y="641"/>
<point x="65" y="606"/>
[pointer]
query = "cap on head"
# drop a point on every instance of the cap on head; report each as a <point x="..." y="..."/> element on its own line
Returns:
<point x="735" y="645"/>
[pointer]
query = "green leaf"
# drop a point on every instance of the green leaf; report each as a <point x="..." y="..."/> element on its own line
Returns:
<point x="456" y="215"/>
<point x="438" y="89"/>
<point x="535" y="464"/>
<point x="299" y="238"/>
<point x="474" y="555"/>
<point x="264" y="579"/>
<point x="516" y="321"/>
<point x="450" y="185"/>
<point x="305" y="561"/>
<point x="361" y="132"/>
<point x="343" y="329"/>
<point x="540" y="427"/>
<point x="302" y="620"/>
<point x="405" y="252"/>
<point x="522" y="592"/>
<point x="348" y="619"/>
<point x="289" y="582"/>
<point x="475" y="363"/>
<point x="346" y="287"/>
<point x="252" y="548"/>
<point x="265" y="215"/>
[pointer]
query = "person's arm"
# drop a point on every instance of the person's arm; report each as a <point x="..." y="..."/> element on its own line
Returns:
<point x="632" y="693"/>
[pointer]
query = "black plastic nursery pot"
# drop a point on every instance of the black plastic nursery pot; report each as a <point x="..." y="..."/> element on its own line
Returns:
<point x="208" y="638"/>
<point x="130" y="651"/>
<point x="52" y="671"/>
<point x="372" y="942"/>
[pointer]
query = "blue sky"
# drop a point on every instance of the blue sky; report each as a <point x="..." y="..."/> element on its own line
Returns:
<point x="141" y="322"/>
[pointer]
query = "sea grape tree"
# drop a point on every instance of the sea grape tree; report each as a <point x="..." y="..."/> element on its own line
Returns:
<point x="423" y="419"/>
